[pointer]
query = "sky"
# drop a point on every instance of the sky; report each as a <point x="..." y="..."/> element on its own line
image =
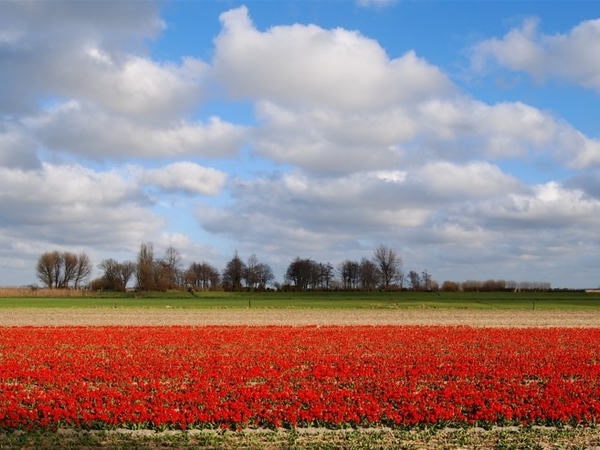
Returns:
<point x="463" y="134"/>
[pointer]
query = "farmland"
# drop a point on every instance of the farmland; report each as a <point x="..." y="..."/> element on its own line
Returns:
<point x="377" y="376"/>
<point x="559" y="300"/>
<point x="239" y="377"/>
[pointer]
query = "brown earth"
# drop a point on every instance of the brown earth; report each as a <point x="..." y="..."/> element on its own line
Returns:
<point x="253" y="317"/>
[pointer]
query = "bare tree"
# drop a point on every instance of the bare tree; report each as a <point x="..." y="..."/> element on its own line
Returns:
<point x="324" y="275"/>
<point x="369" y="274"/>
<point x="111" y="275"/>
<point x="415" y="280"/>
<point x="390" y="265"/>
<point x="167" y="271"/>
<point x="83" y="270"/>
<point x="265" y="275"/>
<point x="56" y="268"/>
<point x="256" y="274"/>
<point x="202" y="276"/>
<point x="62" y="269"/>
<point x="305" y="274"/>
<point x="145" y="270"/>
<point x="494" y="285"/>
<point x="127" y="271"/>
<point x="349" y="272"/>
<point x="471" y="286"/>
<point x="450" y="286"/>
<point x="68" y="269"/>
<point x="251" y="274"/>
<point x="116" y="275"/>
<point x="233" y="274"/>
<point x="46" y="268"/>
<point x="427" y="280"/>
<point x="300" y="273"/>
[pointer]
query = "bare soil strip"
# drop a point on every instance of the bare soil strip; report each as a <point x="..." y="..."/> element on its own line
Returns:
<point x="426" y="438"/>
<point x="297" y="317"/>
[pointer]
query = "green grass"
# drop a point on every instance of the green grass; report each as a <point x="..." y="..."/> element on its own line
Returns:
<point x="318" y="300"/>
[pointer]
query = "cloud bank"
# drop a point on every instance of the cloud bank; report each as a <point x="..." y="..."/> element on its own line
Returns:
<point x="102" y="147"/>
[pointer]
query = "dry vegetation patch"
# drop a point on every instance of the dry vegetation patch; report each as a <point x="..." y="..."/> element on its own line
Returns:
<point x="41" y="292"/>
<point x="415" y="316"/>
<point x="425" y="438"/>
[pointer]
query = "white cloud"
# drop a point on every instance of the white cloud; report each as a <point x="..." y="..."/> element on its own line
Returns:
<point x="588" y="182"/>
<point x="517" y="49"/>
<point x="93" y="133"/>
<point x="10" y="37"/>
<point x="17" y="148"/>
<point x="308" y="65"/>
<point x="185" y="177"/>
<point x="502" y="130"/>
<point x="585" y="151"/>
<point x="466" y="128"/>
<point x="74" y="204"/>
<point x="360" y="110"/>
<point x="136" y="86"/>
<point x="353" y="146"/>
<point x="549" y="205"/>
<point x="48" y="50"/>
<point x="571" y="56"/>
<point x="355" y="206"/>
<point x="65" y="184"/>
<point x="330" y="141"/>
<point x="474" y="180"/>
<point x="443" y="215"/>
<point x="325" y="140"/>
<point x="375" y="3"/>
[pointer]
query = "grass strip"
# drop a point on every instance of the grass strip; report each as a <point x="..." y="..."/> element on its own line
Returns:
<point x="555" y="300"/>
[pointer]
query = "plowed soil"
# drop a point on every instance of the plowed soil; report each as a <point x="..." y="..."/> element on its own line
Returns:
<point x="197" y="317"/>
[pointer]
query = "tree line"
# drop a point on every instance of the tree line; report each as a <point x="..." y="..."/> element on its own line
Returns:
<point x="63" y="270"/>
<point x="149" y="272"/>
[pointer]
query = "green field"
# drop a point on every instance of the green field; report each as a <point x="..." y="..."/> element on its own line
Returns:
<point x="317" y="300"/>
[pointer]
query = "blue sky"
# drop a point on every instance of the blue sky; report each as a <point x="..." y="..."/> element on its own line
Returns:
<point x="465" y="134"/>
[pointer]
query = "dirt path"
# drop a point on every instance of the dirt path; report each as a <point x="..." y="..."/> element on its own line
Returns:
<point x="101" y="316"/>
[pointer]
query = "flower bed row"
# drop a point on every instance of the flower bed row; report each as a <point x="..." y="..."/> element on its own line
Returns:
<point x="232" y="377"/>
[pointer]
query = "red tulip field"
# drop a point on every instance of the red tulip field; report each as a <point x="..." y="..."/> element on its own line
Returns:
<point x="272" y="376"/>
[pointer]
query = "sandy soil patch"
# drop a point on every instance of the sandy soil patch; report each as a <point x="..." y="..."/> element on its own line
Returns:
<point x="116" y="316"/>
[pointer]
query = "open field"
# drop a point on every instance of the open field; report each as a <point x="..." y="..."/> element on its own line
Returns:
<point x="259" y="317"/>
<point x="435" y="436"/>
<point x="524" y="309"/>
<point x="54" y="364"/>
<point x="312" y="300"/>
<point x="479" y="310"/>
